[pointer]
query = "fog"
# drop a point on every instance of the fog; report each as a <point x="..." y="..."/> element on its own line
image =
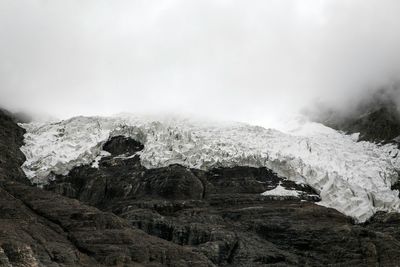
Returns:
<point x="252" y="61"/>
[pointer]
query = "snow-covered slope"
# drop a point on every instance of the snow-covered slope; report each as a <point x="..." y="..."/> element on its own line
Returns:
<point x="352" y="177"/>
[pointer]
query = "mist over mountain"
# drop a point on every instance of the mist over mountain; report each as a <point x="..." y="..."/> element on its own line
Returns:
<point x="254" y="62"/>
<point x="374" y="114"/>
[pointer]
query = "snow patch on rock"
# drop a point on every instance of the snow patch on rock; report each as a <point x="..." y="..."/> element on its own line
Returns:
<point x="281" y="191"/>
<point x="95" y="163"/>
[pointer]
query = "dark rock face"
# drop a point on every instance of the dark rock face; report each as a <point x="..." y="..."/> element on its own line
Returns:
<point x="28" y="239"/>
<point x="87" y="234"/>
<point x="222" y="215"/>
<point x="385" y="119"/>
<point x="381" y="125"/>
<point x="125" y="179"/>
<point x="376" y="118"/>
<point x="248" y="180"/>
<point x="121" y="145"/>
<point x="172" y="182"/>
<point x="11" y="158"/>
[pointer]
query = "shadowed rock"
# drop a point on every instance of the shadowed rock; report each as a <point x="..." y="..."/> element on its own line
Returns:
<point x="121" y="145"/>
<point x="376" y="118"/>
<point x="11" y="158"/>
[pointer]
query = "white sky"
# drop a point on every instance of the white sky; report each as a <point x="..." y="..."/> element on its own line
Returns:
<point x="251" y="61"/>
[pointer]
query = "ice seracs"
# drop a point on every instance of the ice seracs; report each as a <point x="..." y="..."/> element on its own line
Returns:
<point x="352" y="177"/>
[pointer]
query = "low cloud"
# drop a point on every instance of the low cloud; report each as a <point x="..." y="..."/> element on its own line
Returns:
<point x="253" y="61"/>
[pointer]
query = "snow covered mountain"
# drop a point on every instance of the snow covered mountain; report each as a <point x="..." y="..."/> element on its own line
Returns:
<point x="353" y="177"/>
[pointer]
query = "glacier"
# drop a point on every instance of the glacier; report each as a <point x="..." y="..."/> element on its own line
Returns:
<point x="352" y="177"/>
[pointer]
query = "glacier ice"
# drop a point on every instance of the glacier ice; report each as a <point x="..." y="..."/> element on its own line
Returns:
<point x="353" y="177"/>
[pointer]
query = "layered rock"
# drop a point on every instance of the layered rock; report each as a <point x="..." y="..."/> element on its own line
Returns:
<point x="74" y="234"/>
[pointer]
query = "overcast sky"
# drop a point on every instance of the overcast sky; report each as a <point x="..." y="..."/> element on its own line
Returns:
<point x="239" y="60"/>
